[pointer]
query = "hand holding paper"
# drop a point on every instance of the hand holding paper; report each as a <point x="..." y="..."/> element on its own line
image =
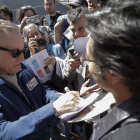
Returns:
<point x="68" y="102"/>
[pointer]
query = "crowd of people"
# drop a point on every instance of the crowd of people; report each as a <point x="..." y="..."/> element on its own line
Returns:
<point x="94" y="47"/>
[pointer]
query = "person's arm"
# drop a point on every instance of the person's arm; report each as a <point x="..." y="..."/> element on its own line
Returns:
<point x="41" y="20"/>
<point x="69" y="70"/>
<point x="28" y="126"/>
<point x="57" y="36"/>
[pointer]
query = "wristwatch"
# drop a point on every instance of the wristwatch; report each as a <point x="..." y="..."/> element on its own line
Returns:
<point x="56" y="114"/>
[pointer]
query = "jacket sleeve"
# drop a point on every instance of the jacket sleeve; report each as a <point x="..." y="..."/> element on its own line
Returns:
<point x="28" y="126"/>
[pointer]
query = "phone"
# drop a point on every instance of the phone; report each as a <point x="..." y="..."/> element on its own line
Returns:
<point x="81" y="129"/>
<point x="47" y="18"/>
<point x="71" y="51"/>
<point x="32" y="19"/>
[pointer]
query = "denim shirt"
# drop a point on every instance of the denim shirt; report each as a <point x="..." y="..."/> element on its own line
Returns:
<point x="55" y="50"/>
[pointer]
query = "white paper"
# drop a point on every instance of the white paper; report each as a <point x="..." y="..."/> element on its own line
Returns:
<point x="83" y="104"/>
<point x="36" y="63"/>
<point x="98" y="107"/>
<point x="68" y="34"/>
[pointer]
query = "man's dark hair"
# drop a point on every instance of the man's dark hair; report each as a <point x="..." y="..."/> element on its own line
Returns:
<point x="20" y="12"/>
<point x="6" y="10"/>
<point x="53" y="1"/>
<point x="75" y="14"/>
<point x="115" y="30"/>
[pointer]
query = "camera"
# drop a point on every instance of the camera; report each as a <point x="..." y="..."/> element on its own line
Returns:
<point x="40" y="42"/>
<point x="32" y="19"/>
<point x="71" y="51"/>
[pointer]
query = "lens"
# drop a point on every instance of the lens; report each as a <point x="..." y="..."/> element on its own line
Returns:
<point x="17" y="53"/>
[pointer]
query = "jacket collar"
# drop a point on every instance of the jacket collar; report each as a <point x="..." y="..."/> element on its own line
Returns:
<point x="23" y="67"/>
<point x="122" y="112"/>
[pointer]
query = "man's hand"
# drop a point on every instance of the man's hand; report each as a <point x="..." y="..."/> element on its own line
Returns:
<point x="23" y="23"/>
<point x="58" y="24"/>
<point x="50" y="60"/>
<point x="67" y="103"/>
<point x="45" y="23"/>
<point x="87" y="90"/>
<point x="75" y="62"/>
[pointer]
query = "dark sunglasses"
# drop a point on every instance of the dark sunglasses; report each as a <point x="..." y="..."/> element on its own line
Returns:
<point x="15" y="53"/>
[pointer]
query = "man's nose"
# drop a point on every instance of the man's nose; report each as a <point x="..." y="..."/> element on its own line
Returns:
<point x="21" y="57"/>
<point x="77" y="34"/>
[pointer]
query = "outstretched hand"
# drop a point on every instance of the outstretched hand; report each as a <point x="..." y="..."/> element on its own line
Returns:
<point x="87" y="90"/>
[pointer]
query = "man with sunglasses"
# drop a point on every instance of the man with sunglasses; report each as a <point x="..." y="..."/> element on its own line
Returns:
<point x="28" y="109"/>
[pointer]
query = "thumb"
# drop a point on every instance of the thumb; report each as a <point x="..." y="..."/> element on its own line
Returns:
<point x="85" y="84"/>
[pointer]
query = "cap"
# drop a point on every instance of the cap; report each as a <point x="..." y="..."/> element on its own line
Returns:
<point x="78" y="3"/>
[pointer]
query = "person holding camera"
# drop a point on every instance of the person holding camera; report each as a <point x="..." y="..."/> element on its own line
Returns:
<point x="37" y="39"/>
<point x="26" y="12"/>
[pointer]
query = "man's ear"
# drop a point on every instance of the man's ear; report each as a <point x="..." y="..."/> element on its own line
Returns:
<point x="115" y="78"/>
<point x="112" y="77"/>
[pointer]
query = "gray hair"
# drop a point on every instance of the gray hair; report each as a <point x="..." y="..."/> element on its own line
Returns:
<point x="6" y="25"/>
<point x="26" y="29"/>
<point x="74" y="15"/>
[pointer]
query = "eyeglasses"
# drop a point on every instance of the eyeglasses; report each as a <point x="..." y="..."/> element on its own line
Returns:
<point x="15" y="53"/>
<point x="84" y="61"/>
<point x="37" y="34"/>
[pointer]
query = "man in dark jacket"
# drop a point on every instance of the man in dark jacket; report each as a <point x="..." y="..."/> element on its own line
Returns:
<point x="113" y="57"/>
<point x="28" y="109"/>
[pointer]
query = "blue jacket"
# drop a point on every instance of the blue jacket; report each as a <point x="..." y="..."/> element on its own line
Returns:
<point x="18" y="119"/>
<point x="55" y="50"/>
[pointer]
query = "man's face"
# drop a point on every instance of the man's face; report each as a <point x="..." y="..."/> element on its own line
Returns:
<point x="28" y="13"/>
<point x="49" y="6"/>
<point x="34" y="33"/>
<point x="104" y="84"/>
<point x="11" y="41"/>
<point x="78" y="29"/>
<point x="5" y="16"/>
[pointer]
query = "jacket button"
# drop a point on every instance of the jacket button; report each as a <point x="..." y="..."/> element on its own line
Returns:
<point x="50" y="124"/>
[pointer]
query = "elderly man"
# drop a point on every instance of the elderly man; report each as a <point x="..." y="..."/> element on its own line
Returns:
<point x="113" y="57"/>
<point x="28" y="109"/>
<point x="50" y="6"/>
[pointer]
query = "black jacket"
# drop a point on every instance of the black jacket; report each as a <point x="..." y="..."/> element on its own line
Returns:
<point x="123" y="123"/>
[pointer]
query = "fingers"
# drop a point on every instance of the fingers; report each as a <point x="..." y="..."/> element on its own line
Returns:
<point x="61" y="21"/>
<point x="45" y="23"/>
<point x="85" y="84"/>
<point x="50" y="60"/>
<point x="74" y="93"/>
<point x="32" y="43"/>
<point x="96" y="90"/>
<point x="92" y="87"/>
